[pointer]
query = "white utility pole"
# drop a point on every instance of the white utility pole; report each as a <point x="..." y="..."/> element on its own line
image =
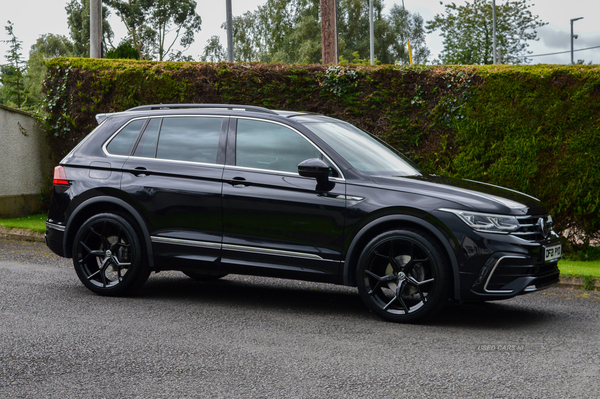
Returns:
<point x="372" y="32"/>
<point x="96" y="29"/>
<point x="229" y="32"/>
<point x="494" y="17"/>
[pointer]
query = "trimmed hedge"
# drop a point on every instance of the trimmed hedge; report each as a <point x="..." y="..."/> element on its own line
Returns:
<point x="530" y="128"/>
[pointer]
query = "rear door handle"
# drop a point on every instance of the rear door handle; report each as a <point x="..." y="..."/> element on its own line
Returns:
<point x="139" y="171"/>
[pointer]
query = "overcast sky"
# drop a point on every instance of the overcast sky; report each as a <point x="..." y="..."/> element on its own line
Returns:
<point x="32" y="18"/>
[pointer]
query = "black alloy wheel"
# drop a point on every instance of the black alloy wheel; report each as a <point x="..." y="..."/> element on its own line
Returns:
<point x="203" y="276"/>
<point x="403" y="275"/>
<point x="108" y="256"/>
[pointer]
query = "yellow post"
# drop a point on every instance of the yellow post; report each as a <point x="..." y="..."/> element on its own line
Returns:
<point x="409" y="52"/>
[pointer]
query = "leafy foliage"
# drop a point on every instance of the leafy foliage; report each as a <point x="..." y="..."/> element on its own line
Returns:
<point x="530" y="128"/>
<point x="339" y="80"/>
<point x="468" y="31"/>
<point x="391" y="32"/>
<point x="12" y="75"/>
<point x="290" y="31"/>
<point x="47" y="46"/>
<point x="154" y="26"/>
<point x="125" y="50"/>
<point x="78" y="19"/>
<point x="213" y="51"/>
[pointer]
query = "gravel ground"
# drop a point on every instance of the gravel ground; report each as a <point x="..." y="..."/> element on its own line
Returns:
<point x="250" y="337"/>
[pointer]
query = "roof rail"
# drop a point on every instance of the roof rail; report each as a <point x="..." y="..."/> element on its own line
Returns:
<point x="217" y="106"/>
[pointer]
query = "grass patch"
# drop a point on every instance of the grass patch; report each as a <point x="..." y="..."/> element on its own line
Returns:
<point x="31" y="222"/>
<point x="577" y="268"/>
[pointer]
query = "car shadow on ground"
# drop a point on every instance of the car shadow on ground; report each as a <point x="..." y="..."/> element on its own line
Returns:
<point x="249" y="292"/>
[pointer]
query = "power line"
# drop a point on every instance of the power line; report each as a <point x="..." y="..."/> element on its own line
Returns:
<point x="561" y="52"/>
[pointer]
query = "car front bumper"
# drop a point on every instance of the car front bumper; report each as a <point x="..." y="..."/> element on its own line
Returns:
<point x="503" y="266"/>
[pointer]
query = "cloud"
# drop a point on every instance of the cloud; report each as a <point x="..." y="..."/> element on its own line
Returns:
<point x="559" y="39"/>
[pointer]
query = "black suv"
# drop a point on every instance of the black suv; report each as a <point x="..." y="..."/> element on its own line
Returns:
<point x="215" y="189"/>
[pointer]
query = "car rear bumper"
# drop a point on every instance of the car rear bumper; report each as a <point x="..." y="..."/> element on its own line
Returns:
<point x="55" y="238"/>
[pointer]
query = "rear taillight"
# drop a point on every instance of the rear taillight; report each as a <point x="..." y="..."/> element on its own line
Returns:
<point x="60" y="177"/>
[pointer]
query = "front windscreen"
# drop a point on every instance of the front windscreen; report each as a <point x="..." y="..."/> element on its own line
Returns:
<point x="363" y="151"/>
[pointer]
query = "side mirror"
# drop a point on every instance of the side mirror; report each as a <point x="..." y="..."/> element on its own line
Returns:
<point x="315" y="168"/>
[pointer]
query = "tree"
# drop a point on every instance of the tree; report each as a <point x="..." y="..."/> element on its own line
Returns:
<point x="213" y="51"/>
<point x="289" y="31"/>
<point x="124" y="50"/>
<point x="392" y="31"/>
<point x="78" y="19"/>
<point x="46" y="46"/>
<point x="468" y="31"/>
<point x="154" y="26"/>
<point x="407" y="27"/>
<point x="12" y="74"/>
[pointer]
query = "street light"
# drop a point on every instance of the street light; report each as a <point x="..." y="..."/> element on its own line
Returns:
<point x="573" y="37"/>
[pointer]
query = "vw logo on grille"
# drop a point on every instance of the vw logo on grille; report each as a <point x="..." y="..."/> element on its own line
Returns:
<point x="545" y="227"/>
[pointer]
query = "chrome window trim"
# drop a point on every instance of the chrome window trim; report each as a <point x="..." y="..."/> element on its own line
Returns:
<point x="275" y="172"/>
<point x="337" y="168"/>
<point x="215" y="165"/>
<point x="492" y="273"/>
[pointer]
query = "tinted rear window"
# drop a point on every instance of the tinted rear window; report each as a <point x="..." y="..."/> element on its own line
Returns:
<point x="122" y="143"/>
<point x="192" y="139"/>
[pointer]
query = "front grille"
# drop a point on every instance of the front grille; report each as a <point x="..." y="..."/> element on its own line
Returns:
<point x="532" y="229"/>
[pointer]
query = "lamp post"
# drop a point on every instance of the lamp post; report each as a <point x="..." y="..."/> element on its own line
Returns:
<point x="573" y="37"/>
<point x="494" y="24"/>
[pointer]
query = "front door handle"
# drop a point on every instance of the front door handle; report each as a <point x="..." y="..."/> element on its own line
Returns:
<point x="238" y="182"/>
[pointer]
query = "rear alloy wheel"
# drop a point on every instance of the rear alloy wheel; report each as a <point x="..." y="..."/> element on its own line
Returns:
<point x="108" y="256"/>
<point x="402" y="275"/>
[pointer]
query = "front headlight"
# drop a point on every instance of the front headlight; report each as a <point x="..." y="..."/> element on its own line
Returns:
<point x="487" y="223"/>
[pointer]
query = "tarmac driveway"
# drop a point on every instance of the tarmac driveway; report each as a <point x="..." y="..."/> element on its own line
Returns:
<point x="251" y="337"/>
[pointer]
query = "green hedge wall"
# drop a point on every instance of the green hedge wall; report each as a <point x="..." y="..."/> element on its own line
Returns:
<point x="530" y="128"/>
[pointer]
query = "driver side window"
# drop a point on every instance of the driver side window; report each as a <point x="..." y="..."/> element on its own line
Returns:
<point x="265" y="145"/>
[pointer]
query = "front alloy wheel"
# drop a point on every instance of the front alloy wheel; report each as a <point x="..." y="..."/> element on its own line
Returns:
<point x="402" y="275"/>
<point x="108" y="257"/>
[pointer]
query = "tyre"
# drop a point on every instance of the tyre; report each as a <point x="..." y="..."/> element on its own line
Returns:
<point x="403" y="276"/>
<point x="108" y="256"/>
<point x="203" y="276"/>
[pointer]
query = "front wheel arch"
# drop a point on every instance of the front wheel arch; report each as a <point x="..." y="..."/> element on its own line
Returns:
<point x="392" y="222"/>
<point x="402" y="275"/>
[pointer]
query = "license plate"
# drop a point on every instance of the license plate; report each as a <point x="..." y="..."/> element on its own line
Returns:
<point x="552" y="253"/>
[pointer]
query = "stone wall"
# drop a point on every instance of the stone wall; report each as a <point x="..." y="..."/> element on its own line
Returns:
<point x="25" y="164"/>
